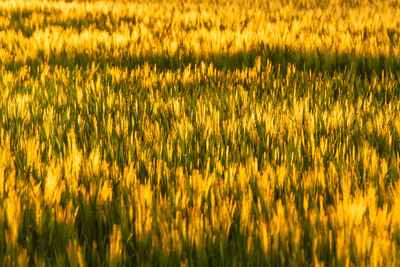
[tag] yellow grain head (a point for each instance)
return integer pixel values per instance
(74, 254)
(116, 247)
(53, 186)
(13, 215)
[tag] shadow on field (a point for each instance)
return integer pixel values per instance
(326, 62)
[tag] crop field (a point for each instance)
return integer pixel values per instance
(200, 133)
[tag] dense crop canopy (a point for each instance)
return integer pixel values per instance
(200, 133)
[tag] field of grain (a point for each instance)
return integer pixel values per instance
(200, 133)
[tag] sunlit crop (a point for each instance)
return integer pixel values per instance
(200, 133)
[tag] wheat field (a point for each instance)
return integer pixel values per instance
(200, 133)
